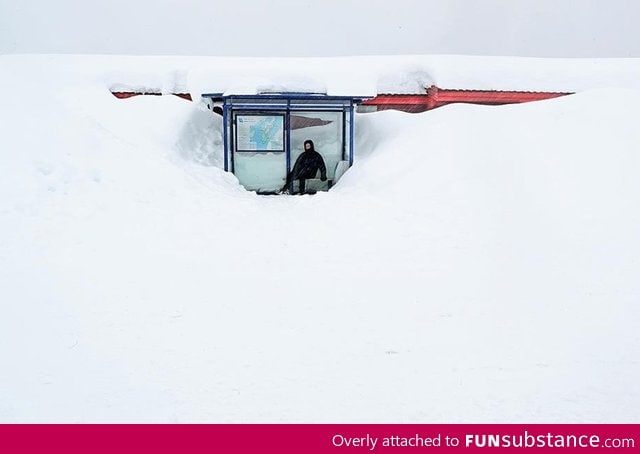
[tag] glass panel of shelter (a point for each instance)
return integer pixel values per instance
(326, 130)
(259, 151)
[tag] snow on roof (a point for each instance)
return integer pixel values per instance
(356, 76)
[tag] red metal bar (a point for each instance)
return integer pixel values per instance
(493, 97)
(437, 97)
(381, 100)
(129, 94)
(186, 96)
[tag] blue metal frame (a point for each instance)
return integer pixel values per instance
(225, 119)
(287, 146)
(286, 97)
(351, 131)
(281, 107)
(344, 133)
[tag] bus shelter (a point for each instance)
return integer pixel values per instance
(264, 135)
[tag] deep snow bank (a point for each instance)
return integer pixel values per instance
(477, 264)
(355, 76)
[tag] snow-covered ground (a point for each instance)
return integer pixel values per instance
(477, 264)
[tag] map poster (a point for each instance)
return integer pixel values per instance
(260, 133)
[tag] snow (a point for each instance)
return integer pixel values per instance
(477, 264)
(351, 76)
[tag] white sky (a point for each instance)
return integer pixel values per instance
(545, 28)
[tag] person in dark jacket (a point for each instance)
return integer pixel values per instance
(306, 167)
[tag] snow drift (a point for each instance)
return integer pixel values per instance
(477, 264)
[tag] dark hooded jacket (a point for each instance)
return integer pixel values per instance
(308, 164)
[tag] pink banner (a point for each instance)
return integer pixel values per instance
(310, 439)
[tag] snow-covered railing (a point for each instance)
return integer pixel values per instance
(438, 97)
(129, 94)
